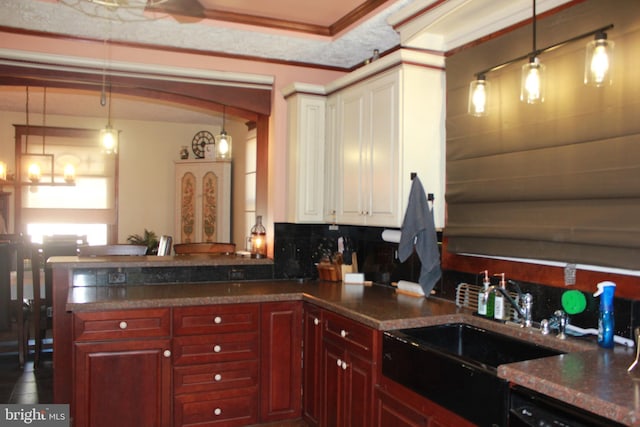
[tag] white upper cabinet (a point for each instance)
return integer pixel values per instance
(382, 123)
(306, 150)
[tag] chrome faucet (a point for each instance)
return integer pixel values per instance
(558, 321)
(524, 308)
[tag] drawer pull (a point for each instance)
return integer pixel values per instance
(343, 333)
(344, 366)
(217, 411)
(339, 362)
(217, 377)
(316, 321)
(123, 325)
(167, 353)
(217, 320)
(217, 349)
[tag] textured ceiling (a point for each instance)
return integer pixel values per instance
(350, 47)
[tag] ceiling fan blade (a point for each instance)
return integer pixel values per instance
(180, 8)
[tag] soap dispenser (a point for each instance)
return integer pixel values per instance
(499, 312)
(485, 302)
(605, 291)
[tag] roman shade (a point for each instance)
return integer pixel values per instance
(553, 181)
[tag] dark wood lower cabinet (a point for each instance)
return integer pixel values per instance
(398, 406)
(123, 383)
(311, 362)
(281, 361)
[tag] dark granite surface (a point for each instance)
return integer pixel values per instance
(588, 377)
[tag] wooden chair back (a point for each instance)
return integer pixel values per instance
(108, 250)
(204, 248)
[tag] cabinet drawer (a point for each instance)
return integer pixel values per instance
(215, 376)
(215, 348)
(354, 336)
(214, 319)
(231, 408)
(107, 325)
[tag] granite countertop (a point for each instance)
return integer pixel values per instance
(586, 376)
(193, 260)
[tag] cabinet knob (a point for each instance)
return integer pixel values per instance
(316, 321)
(339, 362)
(217, 411)
(123, 325)
(217, 377)
(343, 333)
(344, 366)
(217, 349)
(166, 353)
(217, 319)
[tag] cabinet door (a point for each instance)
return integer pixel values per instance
(394, 411)
(358, 391)
(306, 158)
(203, 201)
(281, 372)
(332, 384)
(352, 143)
(331, 159)
(312, 358)
(382, 174)
(122, 383)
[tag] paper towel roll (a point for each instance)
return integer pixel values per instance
(411, 287)
(391, 236)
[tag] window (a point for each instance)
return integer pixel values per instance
(86, 208)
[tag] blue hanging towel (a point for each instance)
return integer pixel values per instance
(419, 232)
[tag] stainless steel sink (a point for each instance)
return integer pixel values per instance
(455, 365)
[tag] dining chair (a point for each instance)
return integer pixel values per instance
(204, 248)
(109, 250)
(42, 309)
(14, 252)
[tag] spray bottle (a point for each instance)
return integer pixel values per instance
(605, 318)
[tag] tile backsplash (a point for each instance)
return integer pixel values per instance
(298, 247)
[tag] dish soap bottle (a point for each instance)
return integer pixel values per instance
(499, 311)
(485, 302)
(605, 318)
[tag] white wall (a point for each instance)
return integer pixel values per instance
(147, 152)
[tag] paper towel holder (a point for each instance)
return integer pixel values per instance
(430, 196)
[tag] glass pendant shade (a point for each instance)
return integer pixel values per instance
(598, 61)
(3, 171)
(69, 173)
(223, 147)
(258, 239)
(34, 173)
(532, 83)
(478, 92)
(109, 139)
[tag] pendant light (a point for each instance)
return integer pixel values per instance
(223, 147)
(598, 61)
(532, 84)
(478, 91)
(108, 135)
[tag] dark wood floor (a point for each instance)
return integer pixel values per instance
(25, 385)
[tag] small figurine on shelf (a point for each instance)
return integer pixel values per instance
(184, 153)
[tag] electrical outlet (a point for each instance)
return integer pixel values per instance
(569, 274)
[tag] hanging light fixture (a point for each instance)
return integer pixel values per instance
(223, 147)
(478, 91)
(532, 85)
(108, 135)
(598, 61)
(533, 82)
(34, 168)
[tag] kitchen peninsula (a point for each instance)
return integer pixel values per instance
(97, 319)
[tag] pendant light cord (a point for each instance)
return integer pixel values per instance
(44, 117)
(535, 50)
